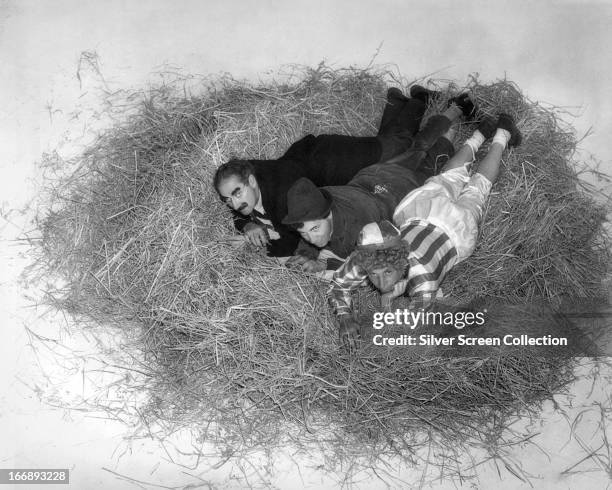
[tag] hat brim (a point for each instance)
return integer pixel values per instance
(388, 243)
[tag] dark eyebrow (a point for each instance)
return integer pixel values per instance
(235, 191)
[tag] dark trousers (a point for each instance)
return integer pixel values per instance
(430, 150)
(400, 123)
(391, 180)
(335, 159)
(388, 184)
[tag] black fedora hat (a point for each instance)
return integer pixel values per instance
(306, 202)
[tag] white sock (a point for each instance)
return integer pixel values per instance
(502, 136)
(474, 142)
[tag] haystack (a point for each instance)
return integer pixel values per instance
(244, 350)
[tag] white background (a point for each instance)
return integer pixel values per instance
(557, 52)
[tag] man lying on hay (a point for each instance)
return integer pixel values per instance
(332, 217)
(438, 228)
(256, 190)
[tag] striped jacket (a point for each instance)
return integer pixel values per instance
(432, 255)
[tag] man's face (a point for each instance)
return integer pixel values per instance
(238, 195)
(317, 232)
(384, 278)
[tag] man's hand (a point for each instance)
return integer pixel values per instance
(387, 298)
(255, 234)
(306, 264)
(296, 261)
(314, 266)
(348, 331)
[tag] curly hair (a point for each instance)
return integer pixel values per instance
(396, 257)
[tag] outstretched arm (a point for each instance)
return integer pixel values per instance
(348, 277)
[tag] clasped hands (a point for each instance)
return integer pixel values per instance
(251, 233)
(256, 234)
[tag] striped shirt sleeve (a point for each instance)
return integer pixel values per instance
(432, 256)
(348, 277)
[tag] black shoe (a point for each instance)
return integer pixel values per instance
(395, 93)
(505, 121)
(423, 94)
(466, 105)
(487, 127)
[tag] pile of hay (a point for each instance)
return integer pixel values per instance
(245, 350)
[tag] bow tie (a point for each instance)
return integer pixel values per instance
(257, 214)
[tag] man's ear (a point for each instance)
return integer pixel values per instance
(252, 181)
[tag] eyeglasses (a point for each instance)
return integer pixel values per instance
(237, 193)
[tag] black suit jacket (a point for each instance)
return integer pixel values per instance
(327, 160)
